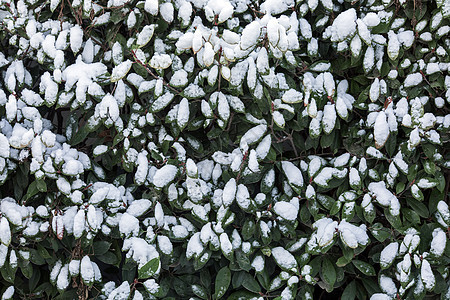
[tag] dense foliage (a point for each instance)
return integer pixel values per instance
(229, 149)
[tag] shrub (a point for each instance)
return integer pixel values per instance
(212, 149)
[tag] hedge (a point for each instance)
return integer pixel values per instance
(224, 149)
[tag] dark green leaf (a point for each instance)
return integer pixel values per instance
(222, 282)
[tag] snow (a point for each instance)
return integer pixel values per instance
(121, 293)
(344, 25)
(76, 38)
(286, 210)
(374, 92)
(165, 175)
(258, 263)
(229, 192)
(250, 35)
(145, 35)
(284, 258)
(427, 275)
(243, 196)
(179, 78)
(63, 185)
(329, 118)
(293, 174)
(252, 136)
(121, 70)
(352, 235)
(413, 80)
(5, 232)
(63, 278)
(438, 242)
(388, 286)
(100, 149)
(371, 19)
(86, 270)
(194, 246)
(164, 244)
(8, 293)
(383, 196)
(129, 225)
(381, 130)
(388, 254)
(225, 244)
(74, 267)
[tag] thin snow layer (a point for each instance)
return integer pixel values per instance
(229, 192)
(353, 235)
(387, 285)
(63, 278)
(438, 242)
(258, 263)
(388, 254)
(5, 232)
(165, 175)
(286, 210)
(9, 293)
(194, 246)
(87, 270)
(344, 26)
(413, 80)
(129, 225)
(383, 196)
(284, 258)
(252, 136)
(293, 174)
(380, 296)
(138, 207)
(122, 292)
(225, 244)
(427, 275)
(164, 244)
(250, 35)
(140, 251)
(381, 130)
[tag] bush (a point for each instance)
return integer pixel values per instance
(229, 149)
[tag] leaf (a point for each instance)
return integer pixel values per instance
(365, 268)
(241, 295)
(250, 283)
(80, 135)
(222, 282)
(149, 269)
(101, 247)
(199, 291)
(108, 258)
(349, 292)
(41, 185)
(328, 272)
(418, 207)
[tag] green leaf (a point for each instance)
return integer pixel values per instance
(328, 272)
(199, 291)
(363, 267)
(101, 247)
(149, 269)
(80, 135)
(418, 207)
(222, 282)
(239, 295)
(108, 258)
(250, 283)
(41, 185)
(349, 292)
(342, 261)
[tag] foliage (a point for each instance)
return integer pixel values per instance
(224, 149)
